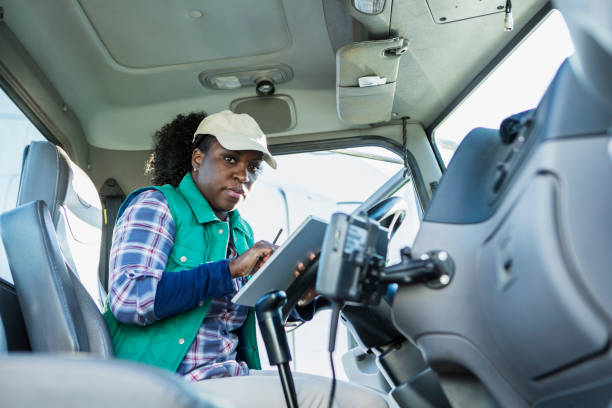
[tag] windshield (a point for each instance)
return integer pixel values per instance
(319, 184)
(515, 85)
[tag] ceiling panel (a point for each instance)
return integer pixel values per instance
(84, 47)
(153, 33)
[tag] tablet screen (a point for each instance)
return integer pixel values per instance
(278, 272)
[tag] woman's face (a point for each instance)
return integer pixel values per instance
(225, 177)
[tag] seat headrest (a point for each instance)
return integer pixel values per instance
(49, 175)
(589, 26)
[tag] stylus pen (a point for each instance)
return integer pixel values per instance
(273, 243)
(277, 236)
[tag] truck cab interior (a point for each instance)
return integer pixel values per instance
(487, 278)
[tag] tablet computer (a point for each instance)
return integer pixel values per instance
(277, 272)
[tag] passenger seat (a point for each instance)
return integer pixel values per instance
(52, 243)
(74, 205)
(58, 312)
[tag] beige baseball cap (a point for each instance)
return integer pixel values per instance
(236, 131)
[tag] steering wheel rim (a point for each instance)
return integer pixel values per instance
(390, 213)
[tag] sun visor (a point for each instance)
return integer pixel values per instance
(365, 79)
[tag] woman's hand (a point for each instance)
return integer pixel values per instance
(312, 293)
(251, 260)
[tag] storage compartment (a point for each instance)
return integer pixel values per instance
(363, 105)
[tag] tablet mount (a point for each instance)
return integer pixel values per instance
(349, 270)
(352, 265)
(352, 271)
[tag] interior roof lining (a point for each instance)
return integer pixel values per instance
(97, 20)
(106, 115)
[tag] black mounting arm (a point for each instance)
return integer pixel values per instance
(434, 268)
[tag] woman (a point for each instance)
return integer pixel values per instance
(181, 251)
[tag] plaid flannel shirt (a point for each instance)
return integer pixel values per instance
(142, 241)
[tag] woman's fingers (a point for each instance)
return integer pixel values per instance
(250, 261)
(299, 268)
(312, 293)
(308, 297)
(262, 251)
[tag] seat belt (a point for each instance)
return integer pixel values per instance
(111, 196)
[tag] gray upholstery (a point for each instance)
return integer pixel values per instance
(589, 25)
(98, 339)
(74, 205)
(34, 381)
(59, 314)
(3, 345)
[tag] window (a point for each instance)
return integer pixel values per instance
(517, 84)
(16, 132)
(320, 184)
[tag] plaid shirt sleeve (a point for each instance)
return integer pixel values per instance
(142, 241)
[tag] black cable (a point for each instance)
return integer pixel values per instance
(332, 345)
(405, 146)
(333, 387)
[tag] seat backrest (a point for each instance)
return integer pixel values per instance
(89, 382)
(59, 314)
(529, 228)
(3, 345)
(74, 205)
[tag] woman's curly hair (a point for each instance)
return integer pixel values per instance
(171, 157)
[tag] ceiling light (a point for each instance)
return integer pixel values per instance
(226, 82)
(244, 77)
(195, 14)
(369, 6)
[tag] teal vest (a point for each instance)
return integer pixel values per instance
(200, 237)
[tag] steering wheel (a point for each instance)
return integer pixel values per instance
(389, 213)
